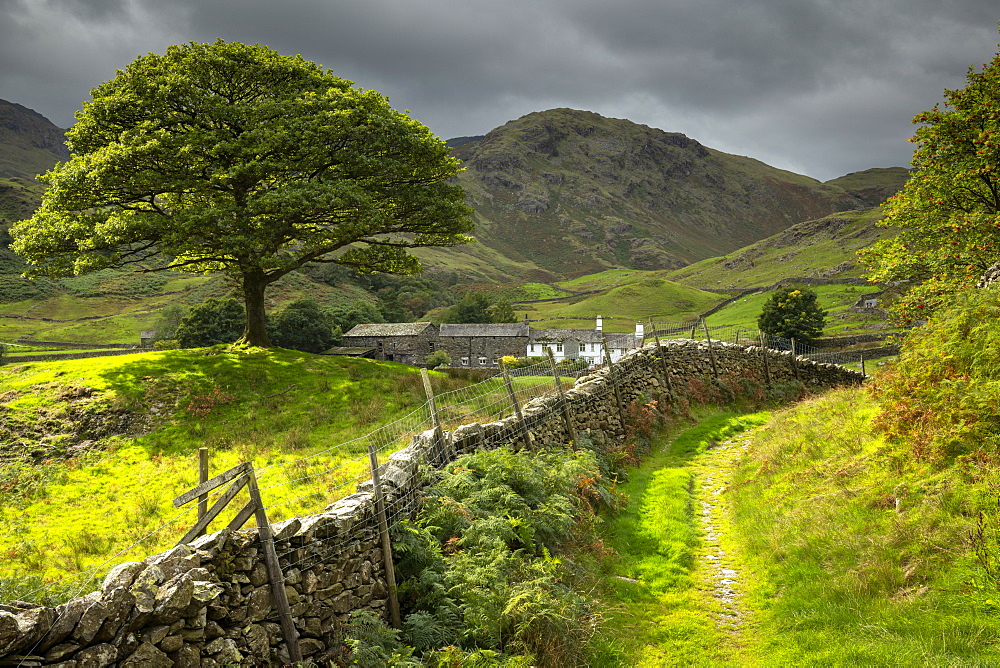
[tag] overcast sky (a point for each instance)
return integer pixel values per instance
(819, 87)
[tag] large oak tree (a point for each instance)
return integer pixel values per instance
(231, 157)
(948, 214)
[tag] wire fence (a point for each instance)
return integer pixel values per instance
(748, 336)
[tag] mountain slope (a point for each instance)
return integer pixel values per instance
(821, 248)
(29, 145)
(570, 192)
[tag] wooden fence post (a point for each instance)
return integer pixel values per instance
(567, 416)
(663, 363)
(274, 571)
(694, 328)
(383, 530)
(763, 354)
(614, 381)
(795, 366)
(242, 475)
(711, 352)
(863, 373)
(202, 477)
(439, 441)
(525, 436)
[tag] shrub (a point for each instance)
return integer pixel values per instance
(302, 325)
(211, 322)
(940, 396)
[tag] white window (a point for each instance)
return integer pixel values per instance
(482, 361)
(558, 347)
(465, 361)
(531, 347)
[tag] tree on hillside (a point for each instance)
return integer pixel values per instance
(792, 313)
(211, 322)
(948, 214)
(302, 325)
(231, 157)
(476, 307)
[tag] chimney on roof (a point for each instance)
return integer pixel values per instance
(600, 324)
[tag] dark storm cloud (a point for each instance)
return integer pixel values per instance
(822, 87)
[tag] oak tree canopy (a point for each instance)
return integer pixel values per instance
(231, 157)
(948, 214)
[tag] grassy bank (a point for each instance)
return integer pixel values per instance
(864, 554)
(96, 449)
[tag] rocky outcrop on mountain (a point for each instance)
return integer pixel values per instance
(572, 191)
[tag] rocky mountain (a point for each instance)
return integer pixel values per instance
(29, 145)
(565, 192)
(561, 193)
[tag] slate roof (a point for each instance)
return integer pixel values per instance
(348, 351)
(500, 329)
(389, 329)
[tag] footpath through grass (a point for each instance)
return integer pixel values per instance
(671, 603)
(808, 541)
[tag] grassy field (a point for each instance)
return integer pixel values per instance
(299, 414)
(836, 299)
(637, 296)
(862, 554)
(807, 249)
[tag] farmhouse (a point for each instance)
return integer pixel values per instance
(482, 345)
(584, 344)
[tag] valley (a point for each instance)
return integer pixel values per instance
(711, 519)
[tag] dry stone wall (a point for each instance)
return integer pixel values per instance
(209, 603)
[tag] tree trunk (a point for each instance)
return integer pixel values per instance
(255, 333)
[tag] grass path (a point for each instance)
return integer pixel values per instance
(677, 583)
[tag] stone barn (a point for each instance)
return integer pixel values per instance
(405, 342)
(483, 344)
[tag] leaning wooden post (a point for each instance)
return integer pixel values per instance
(567, 417)
(711, 351)
(383, 530)
(694, 328)
(663, 363)
(863, 374)
(439, 441)
(795, 366)
(736, 337)
(763, 354)
(613, 381)
(525, 436)
(202, 478)
(274, 570)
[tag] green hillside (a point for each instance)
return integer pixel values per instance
(632, 296)
(821, 248)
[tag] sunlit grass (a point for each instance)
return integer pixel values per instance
(658, 615)
(862, 552)
(298, 418)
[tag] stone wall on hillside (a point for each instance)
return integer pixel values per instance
(209, 603)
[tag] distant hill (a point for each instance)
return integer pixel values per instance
(562, 192)
(873, 186)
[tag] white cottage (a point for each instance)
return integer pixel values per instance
(582, 343)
